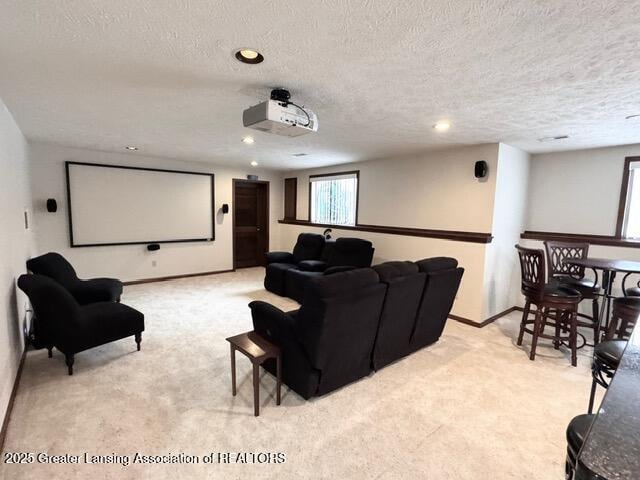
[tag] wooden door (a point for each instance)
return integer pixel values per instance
(250, 222)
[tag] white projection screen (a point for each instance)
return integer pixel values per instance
(117, 205)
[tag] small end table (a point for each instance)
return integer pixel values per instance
(257, 349)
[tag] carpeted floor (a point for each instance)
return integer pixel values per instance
(470, 407)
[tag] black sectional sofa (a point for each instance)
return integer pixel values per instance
(288, 274)
(357, 321)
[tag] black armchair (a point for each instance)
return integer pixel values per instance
(308, 247)
(55, 266)
(73, 328)
(328, 342)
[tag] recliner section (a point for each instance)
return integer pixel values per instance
(352, 322)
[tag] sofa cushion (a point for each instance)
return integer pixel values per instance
(351, 251)
(436, 263)
(308, 247)
(389, 270)
(274, 280)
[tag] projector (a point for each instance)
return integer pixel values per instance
(281, 116)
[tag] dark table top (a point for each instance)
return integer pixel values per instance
(612, 447)
(626, 266)
(254, 346)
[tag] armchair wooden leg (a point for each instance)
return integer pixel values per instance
(69, 361)
(50, 350)
(138, 339)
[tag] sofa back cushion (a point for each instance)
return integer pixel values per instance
(355, 252)
(308, 247)
(441, 286)
(337, 324)
(55, 266)
(405, 284)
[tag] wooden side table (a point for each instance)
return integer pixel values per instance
(257, 349)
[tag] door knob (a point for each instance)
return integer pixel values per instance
(257, 229)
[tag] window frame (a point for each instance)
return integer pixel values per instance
(624, 198)
(336, 174)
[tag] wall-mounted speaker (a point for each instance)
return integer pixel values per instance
(52, 205)
(225, 208)
(252, 177)
(153, 247)
(481, 169)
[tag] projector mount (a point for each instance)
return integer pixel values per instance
(283, 96)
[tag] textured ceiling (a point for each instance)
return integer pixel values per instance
(160, 74)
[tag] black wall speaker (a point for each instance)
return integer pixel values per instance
(481, 168)
(52, 205)
(153, 247)
(252, 177)
(225, 208)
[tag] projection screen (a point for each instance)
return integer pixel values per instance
(118, 205)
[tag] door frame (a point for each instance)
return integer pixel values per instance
(235, 181)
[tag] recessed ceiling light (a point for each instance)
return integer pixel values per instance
(131, 147)
(254, 163)
(248, 140)
(551, 139)
(442, 126)
(629, 117)
(250, 56)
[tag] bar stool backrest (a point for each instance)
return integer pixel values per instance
(532, 270)
(557, 252)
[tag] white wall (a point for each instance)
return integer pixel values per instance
(435, 190)
(15, 249)
(577, 191)
(502, 268)
(134, 262)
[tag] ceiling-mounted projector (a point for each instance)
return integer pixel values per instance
(281, 116)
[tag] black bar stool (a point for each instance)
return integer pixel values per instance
(607, 354)
(576, 433)
(556, 305)
(572, 276)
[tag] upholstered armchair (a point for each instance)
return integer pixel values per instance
(73, 328)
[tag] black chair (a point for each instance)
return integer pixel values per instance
(328, 342)
(308, 247)
(73, 328)
(343, 253)
(556, 305)
(576, 433)
(607, 354)
(405, 286)
(56, 267)
(572, 276)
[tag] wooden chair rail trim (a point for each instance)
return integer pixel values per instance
(607, 240)
(471, 237)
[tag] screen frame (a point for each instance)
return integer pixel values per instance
(67, 164)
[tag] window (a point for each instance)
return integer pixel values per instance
(333, 198)
(629, 214)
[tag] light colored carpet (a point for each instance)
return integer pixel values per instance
(470, 407)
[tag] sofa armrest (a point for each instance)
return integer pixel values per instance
(279, 257)
(271, 322)
(312, 265)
